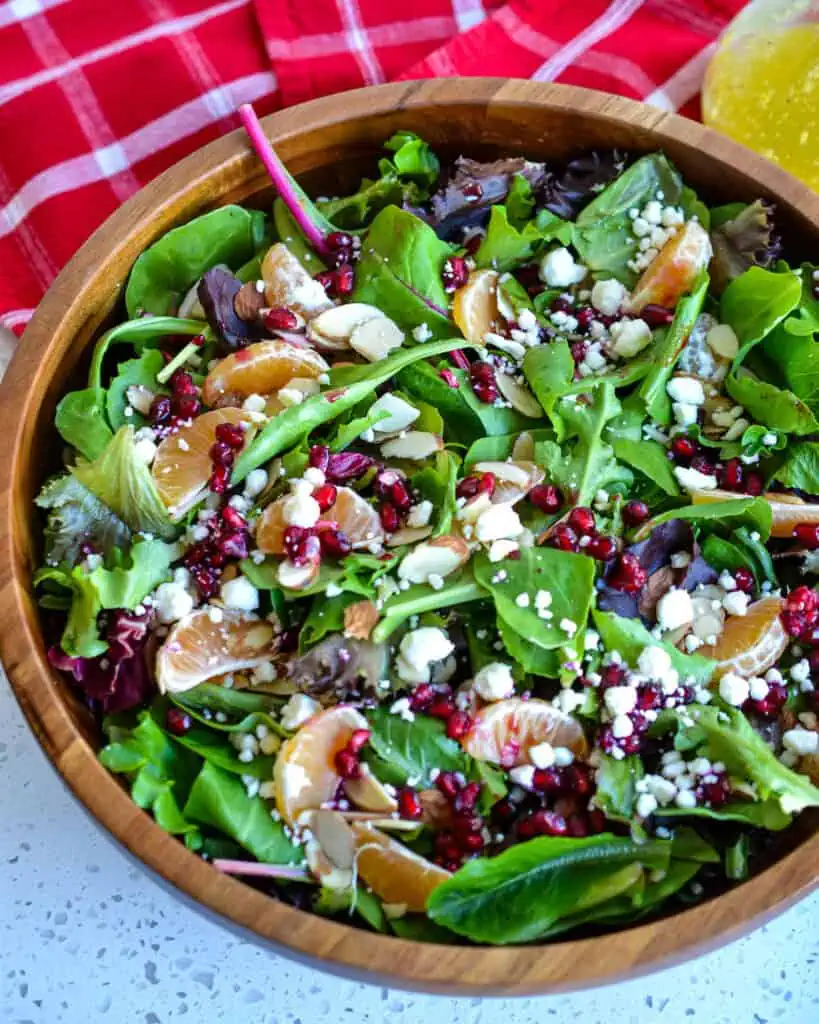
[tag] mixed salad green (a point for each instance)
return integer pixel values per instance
(443, 555)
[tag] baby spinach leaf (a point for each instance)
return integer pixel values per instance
(75, 517)
(520, 894)
(666, 353)
(219, 800)
(770, 405)
(722, 554)
(721, 516)
(603, 234)
(505, 246)
(649, 458)
(297, 422)
(755, 302)
(568, 577)
(218, 751)
(400, 272)
(167, 269)
(617, 786)
(137, 372)
(765, 814)
(160, 772)
(122, 481)
(531, 658)
(80, 420)
(139, 333)
(800, 469)
(630, 637)
(729, 737)
(411, 750)
(289, 232)
(324, 617)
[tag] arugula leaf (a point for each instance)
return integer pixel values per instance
(755, 302)
(520, 894)
(400, 751)
(720, 515)
(506, 246)
(584, 466)
(567, 576)
(167, 269)
(76, 517)
(219, 800)
(400, 272)
(617, 786)
(144, 567)
(81, 423)
(297, 422)
(800, 469)
(630, 637)
(668, 351)
(603, 234)
(770, 405)
(160, 772)
(122, 481)
(500, 447)
(142, 372)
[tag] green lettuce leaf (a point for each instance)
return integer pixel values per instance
(76, 517)
(755, 302)
(772, 406)
(137, 372)
(800, 469)
(506, 246)
(80, 421)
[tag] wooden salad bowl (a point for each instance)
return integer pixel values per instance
(329, 143)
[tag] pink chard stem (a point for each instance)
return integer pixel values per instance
(291, 194)
(284, 872)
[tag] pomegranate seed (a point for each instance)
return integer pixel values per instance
(462, 824)
(234, 545)
(400, 496)
(205, 580)
(754, 484)
(295, 544)
(472, 190)
(221, 454)
(484, 384)
(447, 847)
(327, 280)
(547, 780)
(486, 393)
(325, 496)
(577, 827)
(649, 697)
(560, 304)
(801, 611)
(182, 384)
(160, 410)
(441, 707)
(503, 811)
(344, 280)
(744, 579)
(388, 514)
(334, 543)
(656, 316)
(703, 464)
(472, 842)
(548, 823)
(473, 243)
(546, 497)
(280, 319)
(683, 448)
(458, 725)
(455, 273)
(177, 721)
(733, 475)
(578, 779)
(612, 675)
(468, 796)
(409, 804)
(715, 794)
(232, 518)
(584, 317)
(602, 548)
(628, 575)
(337, 240)
(563, 538)
(597, 820)
(487, 484)
(319, 457)
(186, 406)
(635, 512)
(808, 535)
(345, 466)
(468, 487)
(449, 378)
(219, 479)
(421, 697)
(447, 783)
(347, 764)
(358, 740)
(579, 350)
(231, 434)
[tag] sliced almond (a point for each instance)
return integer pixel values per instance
(508, 492)
(330, 852)
(401, 414)
(523, 449)
(376, 820)
(506, 472)
(360, 619)
(415, 445)
(375, 339)
(368, 794)
(297, 577)
(296, 390)
(408, 535)
(474, 508)
(520, 397)
(336, 324)
(288, 284)
(439, 557)
(140, 398)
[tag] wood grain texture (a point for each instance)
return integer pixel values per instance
(329, 143)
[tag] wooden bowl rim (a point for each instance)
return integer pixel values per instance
(337, 947)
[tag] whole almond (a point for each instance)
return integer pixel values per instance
(249, 302)
(439, 557)
(359, 619)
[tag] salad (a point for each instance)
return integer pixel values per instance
(443, 557)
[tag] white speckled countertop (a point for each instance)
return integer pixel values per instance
(87, 938)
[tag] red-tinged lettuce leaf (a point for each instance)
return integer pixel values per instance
(750, 238)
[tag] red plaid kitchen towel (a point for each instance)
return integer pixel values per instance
(96, 98)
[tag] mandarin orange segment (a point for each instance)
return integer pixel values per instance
(290, 285)
(199, 648)
(504, 732)
(674, 270)
(182, 466)
(788, 510)
(749, 644)
(393, 872)
(261, 369)
(305, 774)
(355, 516)
(475, 306)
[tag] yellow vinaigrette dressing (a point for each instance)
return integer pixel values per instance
(762, 87)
